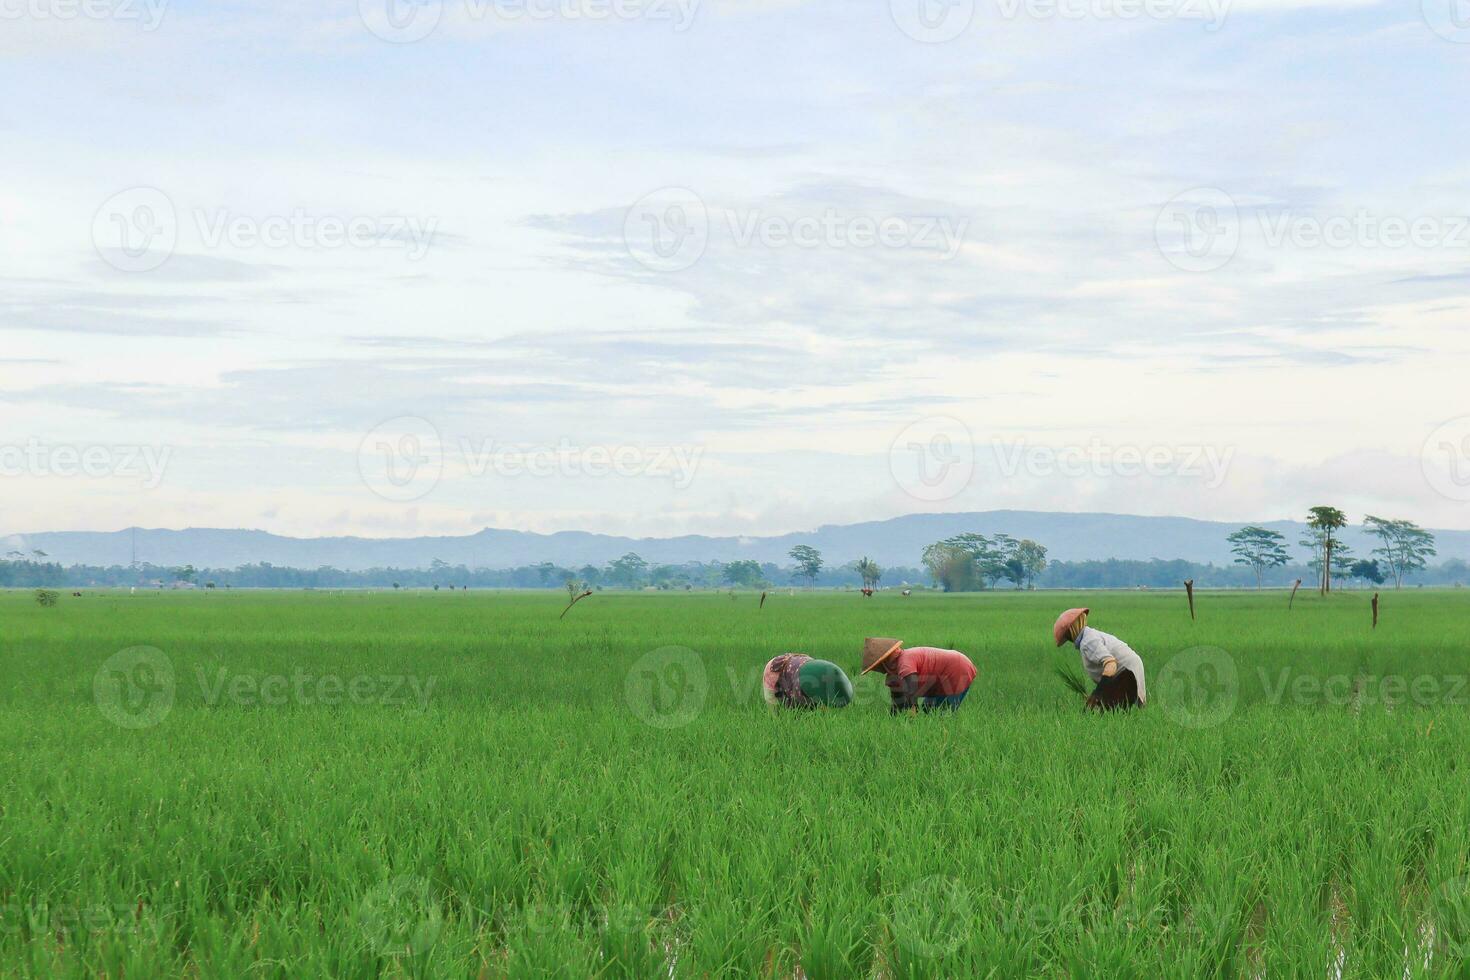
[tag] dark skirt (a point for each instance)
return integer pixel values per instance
(1119, 692)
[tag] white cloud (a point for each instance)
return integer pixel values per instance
(790, 355)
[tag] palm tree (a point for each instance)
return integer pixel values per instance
(1324, 521)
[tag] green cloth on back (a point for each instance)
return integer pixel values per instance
(825, 683)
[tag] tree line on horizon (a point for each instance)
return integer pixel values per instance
(961, 563)
(1404, 549)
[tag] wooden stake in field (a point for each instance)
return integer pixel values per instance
(1298, 585)
(1189, 591)
(1375, 610)
(763, 601)
(575, 600)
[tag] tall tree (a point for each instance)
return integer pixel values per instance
(950, 566)
(1368, 571)
(1327, 521)
(871, 574)
(627, 571)
(743, 574)
(1260, 548)
(1006, 562)
(1406, 546)
(1032, 557)
(987, 561)
(808, 562)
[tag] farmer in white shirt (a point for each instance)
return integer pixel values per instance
(1113, 666)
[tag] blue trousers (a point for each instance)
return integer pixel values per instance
(945, 702)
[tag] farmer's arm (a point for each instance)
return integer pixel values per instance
(906, 696)
(1095, 654)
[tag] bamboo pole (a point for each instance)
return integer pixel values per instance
(573, 603)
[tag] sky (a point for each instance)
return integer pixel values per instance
(657, 267)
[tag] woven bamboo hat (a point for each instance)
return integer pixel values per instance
(1064, 624)
(877, 649)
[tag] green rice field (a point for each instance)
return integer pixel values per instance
(275, 784)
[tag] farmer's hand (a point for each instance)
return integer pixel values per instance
(1110, 667)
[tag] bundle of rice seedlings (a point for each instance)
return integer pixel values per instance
(1071, 676)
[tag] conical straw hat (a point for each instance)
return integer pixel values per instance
(1064, 624)
(877, 649)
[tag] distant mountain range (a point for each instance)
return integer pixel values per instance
(899, 541)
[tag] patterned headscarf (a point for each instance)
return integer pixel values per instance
(783, 680)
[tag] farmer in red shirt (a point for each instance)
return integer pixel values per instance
(926, 677)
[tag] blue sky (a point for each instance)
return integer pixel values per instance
(789, 262)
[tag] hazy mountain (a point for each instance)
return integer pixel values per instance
(893, 542)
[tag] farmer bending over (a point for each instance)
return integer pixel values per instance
(926, 677)
(794, 680)
(1111, 663)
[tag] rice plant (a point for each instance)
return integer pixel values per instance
(419, 784)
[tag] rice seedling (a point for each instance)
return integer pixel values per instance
(408, 784)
